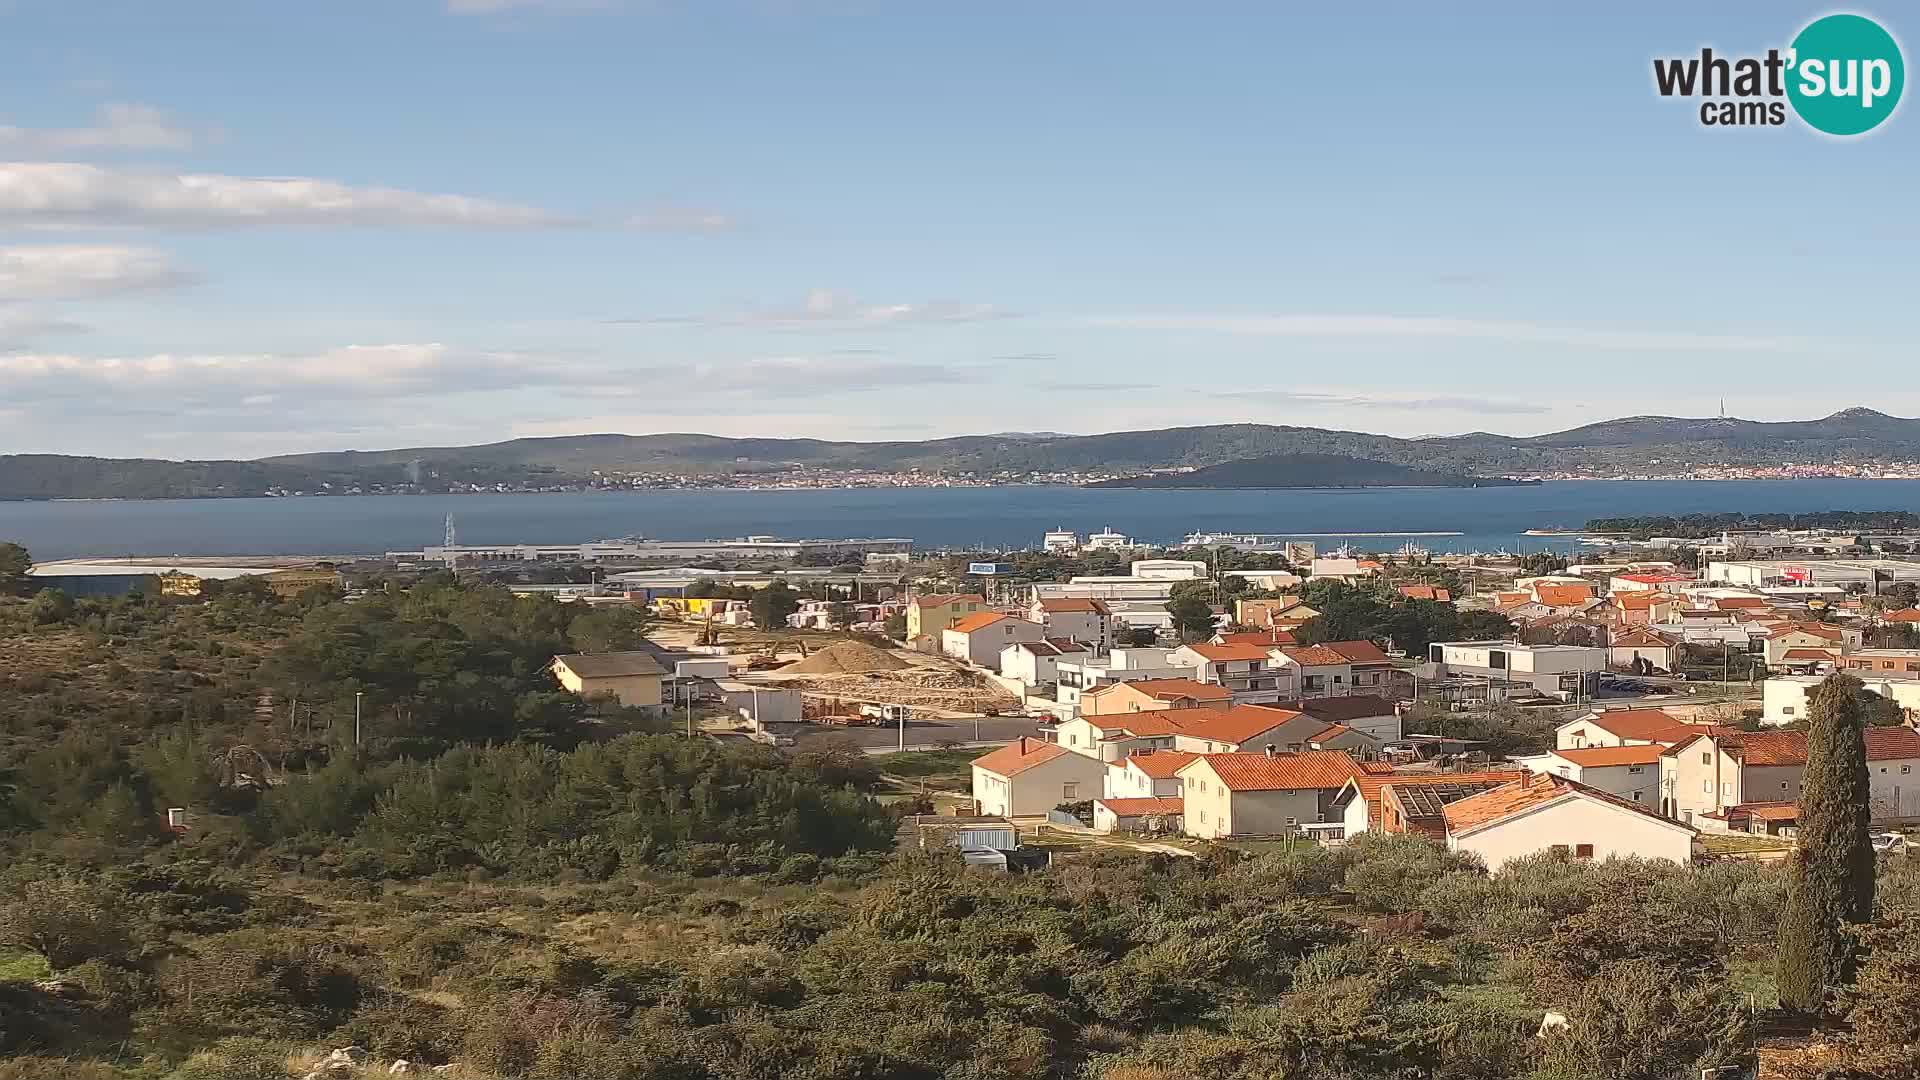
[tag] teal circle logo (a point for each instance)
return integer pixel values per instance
(1845, 74)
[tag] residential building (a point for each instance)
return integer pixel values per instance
(1706, 775)
(1808, 635)
(1146, 774)
(1283, 612)
(1426, 592)
(1629, 772)
(632, 678)
(1121, 665)
(1262, 794)
(1560, 596)
(1568, 672)
(1320, 671)
(1783, 698)
(1028, 777)
(1249, 671)
(1902, 617)
(1553, 813)
(1150, 695)
(1060, 541)
(1083, 619)
(979, 639)
(1255, 728)
(1644, 608)
(1366, 713)
(1143, 815)
(1882, 663)
(930, 615)
(1623, 727)
(1108, 540)
(1369, 669)
(1036, 663)
(1643, 649)
(1270, 637)
(1113, 738)
(1650, 582)
(1413, 805)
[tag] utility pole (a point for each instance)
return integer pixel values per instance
(357, 695)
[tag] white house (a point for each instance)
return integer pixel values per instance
(1641, 645)
(1262, 794)
(1629, 772)
(1083, 619)
(1717, 771)
(1146, 774)
(1622, 727)
(1784, 697)
(1564, 671)
(1121, 665)
(1108, 540)
(1036, 663)
(1408, 802)
(979, 639)
(1144, 815)
(1028, 777)
(1060, 541)
(1254, 673)
(1366, 713)
(1553, 813)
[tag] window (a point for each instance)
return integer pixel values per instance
(1788, 711)
(1783, 785)
(1706, 759)
(1073, 740)
(1726, 789)
(1634, 769)
(1560, 849)
(1070, 792)
(1583, 851)
(1905, 769)
(1706, 787)
(1637, 794)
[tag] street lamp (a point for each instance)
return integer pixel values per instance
(357, 695)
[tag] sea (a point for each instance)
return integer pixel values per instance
(1378, 519)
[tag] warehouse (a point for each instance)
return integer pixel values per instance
(1763, 573)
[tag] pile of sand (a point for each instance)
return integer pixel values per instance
(848, 657)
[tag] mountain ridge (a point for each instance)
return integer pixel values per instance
(1625, 444)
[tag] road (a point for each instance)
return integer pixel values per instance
(929, 734)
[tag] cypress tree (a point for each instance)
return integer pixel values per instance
(1830, 875)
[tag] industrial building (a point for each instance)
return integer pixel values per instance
(1765, 573)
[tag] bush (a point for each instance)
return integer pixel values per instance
(237, 1058)
(65, 920)
(1391, 873)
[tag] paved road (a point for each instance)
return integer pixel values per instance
(929, 734)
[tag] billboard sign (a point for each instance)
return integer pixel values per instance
(989, 569)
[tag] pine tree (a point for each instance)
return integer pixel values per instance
(1830, 875)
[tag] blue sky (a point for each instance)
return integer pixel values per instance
(236, 229)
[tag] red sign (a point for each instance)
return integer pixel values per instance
(1797, 573)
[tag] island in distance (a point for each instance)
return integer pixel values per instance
(1306, 471)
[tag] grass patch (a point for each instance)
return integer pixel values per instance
(931, 765)
(23, 967)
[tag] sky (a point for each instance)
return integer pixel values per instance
(235, 229)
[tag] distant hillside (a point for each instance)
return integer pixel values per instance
(1632, 444)
(1305, 471)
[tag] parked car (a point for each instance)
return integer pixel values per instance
(1890, 843)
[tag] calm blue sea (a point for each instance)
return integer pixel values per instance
(1488, 519)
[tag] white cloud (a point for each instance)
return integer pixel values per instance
(68, 271)
(65, 193)
(1415, 326)
(830, 309)
(19, 329)
(115, 127)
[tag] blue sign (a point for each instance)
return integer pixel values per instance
(989, 568)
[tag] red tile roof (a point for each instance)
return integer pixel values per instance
(1221, 653)
(1498, 804)
(1819, 630)
(1018, 756)
(1811, 654)
(1240, 723)
(1164, 804)
(1630, 601)
(1656, 579)
(1790, 747)
(1358, 652)
(1315, 769)
(1426, 592)
(1152, 722)
(1728, 603)
(978, 621)
(1653, 724)
(1601, 756)
(1641, 639)
(1315, 656)
(1172, 689)
(1160, 765)
(1904, 615)
(1768, 811)
(1563, 595)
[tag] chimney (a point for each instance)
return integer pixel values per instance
(1270, 751)
(1526, 778)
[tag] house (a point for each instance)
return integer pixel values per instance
(1146, 773)
(1563, 596)
(1321, 670)
(1764, 818)
(1284, 612)
(1147, 695)
(1262, 794)
(1705, 776)
(1553, 813)
(1121, 665)
(1904, 616)
(1249, 671)
(1622, 727)
(1373, 715)
(1368, 667)
(1413, 806)
(1809, 661)
(929, 615)
(1076, 618)
(633, 678)
(1036, 663)
(1028, 777)
(1568, 672)
(1883, 663)
(1644, 608)
(1426, 592)
(1251, 728)
(1652, 582)
(1270, 637)
(1060, 541)
(1628, 772)
(971, 832)
(1783, 698)
(1807, 635)
(1113, 738)
(979, 639)
(1108, 540)
(1643, 650)
(1143, 815)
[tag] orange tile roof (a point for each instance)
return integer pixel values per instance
(1160, 765)
(1358, 652)
(1769, 811)
(1018, 756)
(1314, 656)
(1819, 630)
(1904, 615)
(1165, 804)
(1804, 653)
(1240, 723)
(1652, 724)
(1222, 653)
(1630, 601)
(1426, 592)
(1370, 785)
(1601, 756)
(978, 621)
(1257, 637)
(944, 599)
(1790, 747)
(1315, 769)
(1498, 804)
(1174, 689)
(1151, 723)
(1064, 605)
(1563, 595)
(1506, 599)
(1641, 639)
(1657, 579)
(1726, 603)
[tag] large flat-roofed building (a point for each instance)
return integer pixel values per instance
(745, 547)
(1771, 573)
(1568, 672)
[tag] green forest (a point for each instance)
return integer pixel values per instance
(504, 882)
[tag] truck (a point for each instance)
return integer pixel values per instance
(886, 714)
